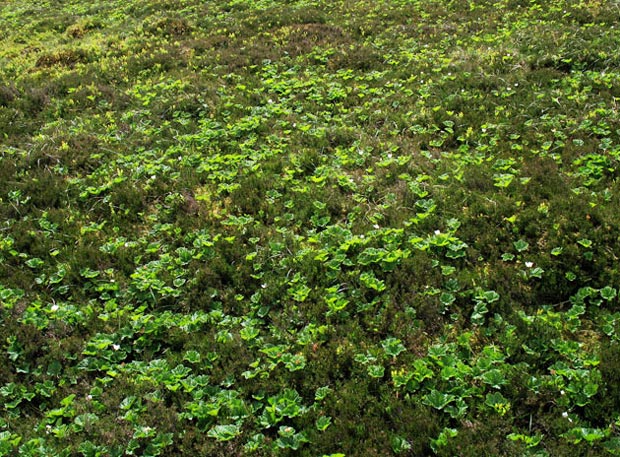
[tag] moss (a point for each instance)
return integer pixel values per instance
(484, 437)
(607, 402)
(66, 58)
(167, 26)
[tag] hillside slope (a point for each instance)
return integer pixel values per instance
(352, 227)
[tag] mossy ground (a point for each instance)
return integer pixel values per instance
(309, 227)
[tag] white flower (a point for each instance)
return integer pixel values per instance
(529, 264)
(116, 347)
(54, 308)
(437, 232)
(564, 414)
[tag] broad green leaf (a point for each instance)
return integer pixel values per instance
(224, 432)
(376, 371)
(323, 422)
(392, 346)
(608, 293)
(521, 245)
(438, 400)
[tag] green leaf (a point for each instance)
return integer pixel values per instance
(322, 392)
(491, 296)
(323, 422)
(422, 371)
(494, 377)
(376, 371)
(35, 262)
(477, 316)
(457, 409)
(294, 362)
(289, 439)
(127, 402)
(586, 243)
(557, 251)
(400, 444)
(446, 299)
(438, 400)
(68, 400)
(456, 250)
(503, 180)
(371, 255)
(521, 245)
(368, 279)
(192, 356)
(590, 435)
(392, 346)
(8, 441)
(224, 432)
(442, 439)
(530, 441)
(497, 401)
(447, 270)
(15, 348)
(299, 292)
(84, 420)
(249, 333)
(255, 443)
(536, 272)
(185, 255)
(160, 441)
(608, 293)
(590, 389)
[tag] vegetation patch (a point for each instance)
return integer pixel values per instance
(309, 228)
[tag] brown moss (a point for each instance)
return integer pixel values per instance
(7, 95)
(81, 28)
(64, 58)
(300, 39)
(168, 26)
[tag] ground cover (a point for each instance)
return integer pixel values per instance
(353, 227)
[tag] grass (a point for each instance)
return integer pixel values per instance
(309, 228)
